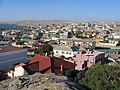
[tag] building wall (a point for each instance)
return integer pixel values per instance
(8, 59)
(67, 54)
(5, 43)
(81, 59)
(19, 71)
(116, 36)
(85, 44)
(107, 44)
(68, 72)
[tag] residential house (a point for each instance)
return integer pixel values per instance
(103, 34)
(75, 41)
(118, 60)
(85, 59)
(63, 34)
(18, 70)
(5, 43)
(110, 43)
(65, 51)
(90, 33)
(115, 35)
(51, 65)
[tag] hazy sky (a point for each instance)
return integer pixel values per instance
(80, 10)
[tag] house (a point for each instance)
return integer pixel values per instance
(76, 41)
(5, 43)
(103, 34)
(110, 43)
(109, 51)
(63, 34)
(85, 59)
(118, 60)
(17, 71)
(55, 65)
(43, 65)
(10, 55)
(65, 51)
(89, 33)
(115, 35)
(21, 69)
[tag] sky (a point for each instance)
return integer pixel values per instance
(77, 10)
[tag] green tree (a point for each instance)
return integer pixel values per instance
(46, 48)
(20, 42)
(102, 77)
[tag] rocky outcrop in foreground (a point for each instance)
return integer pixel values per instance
(39, 81)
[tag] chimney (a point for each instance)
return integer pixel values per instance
(46, 54)
(61, 68)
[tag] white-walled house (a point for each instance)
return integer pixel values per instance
(115, 35)
(10, 55)
(111, 43)
(65, 51)
(18, 71)
(5, 43)
(85, 42)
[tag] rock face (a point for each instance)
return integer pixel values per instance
(39, 81)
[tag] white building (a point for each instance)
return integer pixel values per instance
(115, 35)
(111, 43)
(77, 41)
(5, 43)
(10, 55)
(65, 51)
(18, 71)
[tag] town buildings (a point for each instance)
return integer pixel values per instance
(44, 65)
(98, 40)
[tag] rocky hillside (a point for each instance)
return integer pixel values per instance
(39, 81)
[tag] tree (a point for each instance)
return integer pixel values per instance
(20, 42)
(102, 77)
(46, 48)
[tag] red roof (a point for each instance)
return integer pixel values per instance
(44, 62)
(66, 64)
(9, 48)
(21, 64)
(51, 64)
(32, 68)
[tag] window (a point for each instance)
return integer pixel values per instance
(57, 52)
(66, 52)
(70, 53)
(63, 52)
(91, 61)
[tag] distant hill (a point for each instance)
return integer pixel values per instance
(10, 26)
(43, 22)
